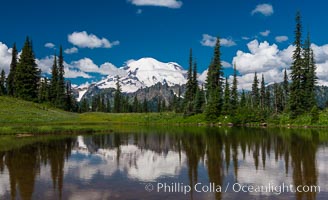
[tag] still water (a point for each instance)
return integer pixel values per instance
(169, 163)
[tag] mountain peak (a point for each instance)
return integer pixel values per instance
(145, 72)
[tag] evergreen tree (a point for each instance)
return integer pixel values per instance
(243, 99)
(312, 80)
(3, 82)
(194, 80)
(226, 98)
(108, 106)
(214, 85)
(118, 97)
(11, 75)
(27, 75)
(61, 93)
(285, 90)
(199, 100)
(296, 90)
(190, 86)
(262, 93)
(135, 104)
(44, 90)
(145, 106)
(54, 81)
(234, 91)
(255, 92)
(268, 98)
(278, 101)
(84, 105)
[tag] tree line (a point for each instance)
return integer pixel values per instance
(24, 80)
(294, 96)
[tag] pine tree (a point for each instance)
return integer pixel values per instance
(234, 91)
(312, 80)
(135, 104)
(262, 93)
(11, 75)
(44, 90)
(27, 74)
(214, 85)
(296, 90)
(3, 82)
(84, 105)
(285, 90)
(268, 98)
(189, 95)
(108, 106)
(226, 98)
(118, 97)
(199, 100)
(54, 82)
(278, 101)
(145, 106)
(61, 86)
(194, 80)
(255, 92)
(243, 99)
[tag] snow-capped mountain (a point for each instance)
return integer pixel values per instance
(145, 72)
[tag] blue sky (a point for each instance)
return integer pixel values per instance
(115, 31)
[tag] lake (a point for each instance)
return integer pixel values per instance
(169, 163)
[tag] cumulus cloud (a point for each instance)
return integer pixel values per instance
(265, 33)
(268, 60)
(245, 38)
(46, 63)
(85, 40)
(71, 50)
(264, 9)
(262, 58)
(161, 3)
(49, 45)
(5, 57)
(281, 38)
(210, 41)
(87, 65)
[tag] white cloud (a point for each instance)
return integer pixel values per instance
(225, 64)
(262, 58)
(162, 3)
(281, 38)
(227, 42)
(49, 45)
(45, 64)
(210, 41)
(5, 57)
(71, 50)
(87, 65)
(245, 38)
(264, 9)
(267, 59)
(265, 33)
(85, 40)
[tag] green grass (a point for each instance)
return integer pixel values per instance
(18, 116)
(13, 110)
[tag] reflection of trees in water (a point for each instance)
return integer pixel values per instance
(24, 164)
(217, 148)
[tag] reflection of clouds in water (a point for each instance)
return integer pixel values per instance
(4, 182)
(273, 174)
(322, 166)
(143, 165)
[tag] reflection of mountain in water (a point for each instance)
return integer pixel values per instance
(136, 162)
(247, 156)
